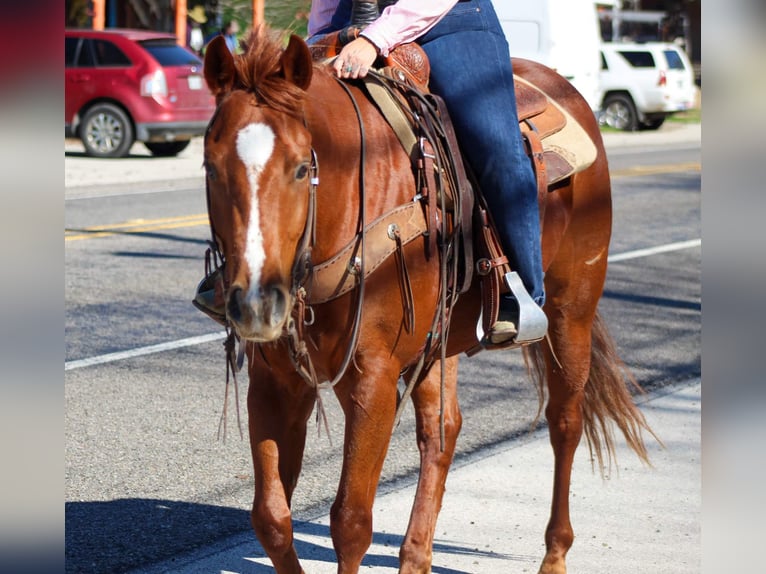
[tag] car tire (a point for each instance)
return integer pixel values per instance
(620, 112)
(106, 131)
(167, 149)
(653, 123)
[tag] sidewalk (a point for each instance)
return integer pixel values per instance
(185, 170)
(86, 175)
(670, 133)
(495, 510)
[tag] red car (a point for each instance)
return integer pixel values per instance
(126, 85)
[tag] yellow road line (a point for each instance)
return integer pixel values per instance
(147, 225)
(136, 226)
(640, 170)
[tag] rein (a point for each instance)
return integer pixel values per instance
(299, 352)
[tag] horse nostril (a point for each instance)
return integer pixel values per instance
(234, 304)
(279, 305)
(274, 306)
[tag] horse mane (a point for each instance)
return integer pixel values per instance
(259, 71)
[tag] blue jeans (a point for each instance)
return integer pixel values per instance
(471, 71)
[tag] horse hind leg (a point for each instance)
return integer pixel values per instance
(563, 412)
(416, 553)
(588, 389)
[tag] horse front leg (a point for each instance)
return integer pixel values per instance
(369, 404)
(416, 553)
(278, 409)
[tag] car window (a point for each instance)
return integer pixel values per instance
(638, 58)
(604, 65)
(674, 60)
(109, 55)
(70, 51)
(83, 58)
(168, 53)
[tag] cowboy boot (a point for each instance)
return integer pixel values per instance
(210, 298)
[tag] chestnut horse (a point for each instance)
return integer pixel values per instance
(283, 122)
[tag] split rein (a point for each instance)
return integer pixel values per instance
(299, 354)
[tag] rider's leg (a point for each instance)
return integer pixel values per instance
(471, 70)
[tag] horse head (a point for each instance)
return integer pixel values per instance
(258, 164)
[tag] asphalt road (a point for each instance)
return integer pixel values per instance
(146, 478)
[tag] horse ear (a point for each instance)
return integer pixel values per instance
(220, 72)
(297, 64)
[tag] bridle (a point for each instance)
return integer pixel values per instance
(301, 314)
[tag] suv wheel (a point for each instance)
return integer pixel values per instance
(167, 149)
(106, 131)
(620, 112)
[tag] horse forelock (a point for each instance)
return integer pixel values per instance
(259, 71)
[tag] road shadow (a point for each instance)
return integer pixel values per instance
(124, 535)
(119, 535)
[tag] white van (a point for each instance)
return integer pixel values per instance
(562, 34)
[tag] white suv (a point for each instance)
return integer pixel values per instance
(642, 84)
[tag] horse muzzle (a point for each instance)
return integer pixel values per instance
(258, 314)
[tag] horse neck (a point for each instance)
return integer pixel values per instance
(335, 128)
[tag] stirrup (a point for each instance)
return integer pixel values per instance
(533, 323)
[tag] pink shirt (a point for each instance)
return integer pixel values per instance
(402, 22)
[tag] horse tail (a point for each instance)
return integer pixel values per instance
(607, 398)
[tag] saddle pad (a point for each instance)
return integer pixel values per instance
(567, 147)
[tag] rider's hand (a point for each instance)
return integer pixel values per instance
(355, 58)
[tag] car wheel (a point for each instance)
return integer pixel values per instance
(167, 149)
(106, 131)
(653, 123)
(620, 113)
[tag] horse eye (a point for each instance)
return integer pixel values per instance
(302, 171)
(210, 172)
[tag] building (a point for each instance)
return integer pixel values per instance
(161, 15)
(666, 20)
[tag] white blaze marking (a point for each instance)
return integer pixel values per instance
(255, 143)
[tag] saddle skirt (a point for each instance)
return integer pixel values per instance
(567, 147)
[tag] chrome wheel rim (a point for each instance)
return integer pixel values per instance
(104, 133)
(617, 115)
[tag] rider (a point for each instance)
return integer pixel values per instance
(471, 71)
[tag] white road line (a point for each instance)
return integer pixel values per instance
(655, 250)
(191, 341)
(151, 349)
